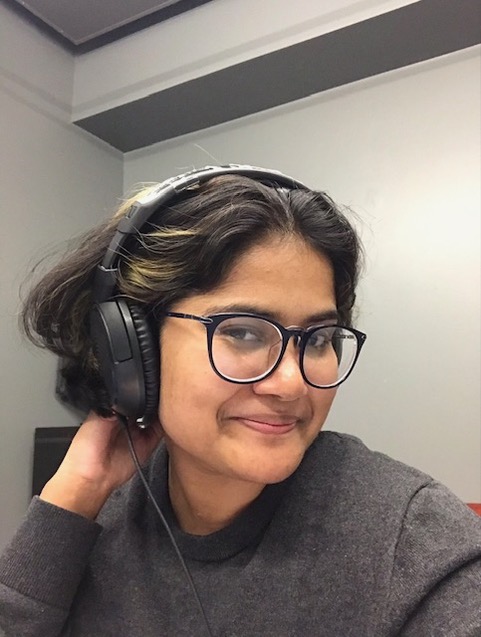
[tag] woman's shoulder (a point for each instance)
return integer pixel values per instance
(355, 466)
(343, 476)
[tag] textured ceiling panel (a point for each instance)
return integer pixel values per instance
(87, 24)
(87, 19)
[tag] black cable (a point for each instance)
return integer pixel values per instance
(135, 459)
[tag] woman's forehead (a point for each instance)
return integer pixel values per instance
(278, 261)
(275, 278)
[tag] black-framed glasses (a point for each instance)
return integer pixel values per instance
(246, 348)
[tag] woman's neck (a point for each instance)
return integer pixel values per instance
(204, 502)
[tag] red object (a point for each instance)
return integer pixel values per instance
(476, 507)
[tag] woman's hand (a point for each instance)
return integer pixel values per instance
(97, 462)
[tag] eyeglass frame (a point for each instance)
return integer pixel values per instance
(300, 335)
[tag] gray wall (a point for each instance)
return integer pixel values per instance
(403, 150)
(55, 181)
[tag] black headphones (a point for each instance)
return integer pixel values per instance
(124, 344)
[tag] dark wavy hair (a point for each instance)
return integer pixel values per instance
(185, 249)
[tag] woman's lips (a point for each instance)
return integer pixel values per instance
(269, 425)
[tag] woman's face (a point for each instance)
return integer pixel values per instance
(212, 425)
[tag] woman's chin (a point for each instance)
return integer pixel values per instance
(272, 471)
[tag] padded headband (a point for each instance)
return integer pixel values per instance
(166, 193)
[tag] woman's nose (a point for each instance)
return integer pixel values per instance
(286, 382)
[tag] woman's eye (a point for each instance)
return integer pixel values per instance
(241, 334)
(320, 340)
(317, 341)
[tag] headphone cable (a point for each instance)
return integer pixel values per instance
(140, 473)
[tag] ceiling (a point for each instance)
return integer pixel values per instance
(414, 33)
(84, 25)
(408, 35)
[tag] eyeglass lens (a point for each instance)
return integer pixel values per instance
(248, 348)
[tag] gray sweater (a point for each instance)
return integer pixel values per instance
(352, 544)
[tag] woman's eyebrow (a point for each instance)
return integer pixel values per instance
(326, 315)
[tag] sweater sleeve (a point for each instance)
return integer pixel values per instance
(41, 570)
(436, 578)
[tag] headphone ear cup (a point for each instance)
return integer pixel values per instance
(128, 358)
(149, 353)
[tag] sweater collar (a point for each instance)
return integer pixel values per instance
(246, 530)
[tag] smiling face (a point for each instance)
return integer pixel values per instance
(258, 432)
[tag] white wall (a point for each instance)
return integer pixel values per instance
(403, 150)
(55, 181)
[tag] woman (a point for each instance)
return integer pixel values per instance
(246, 280)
